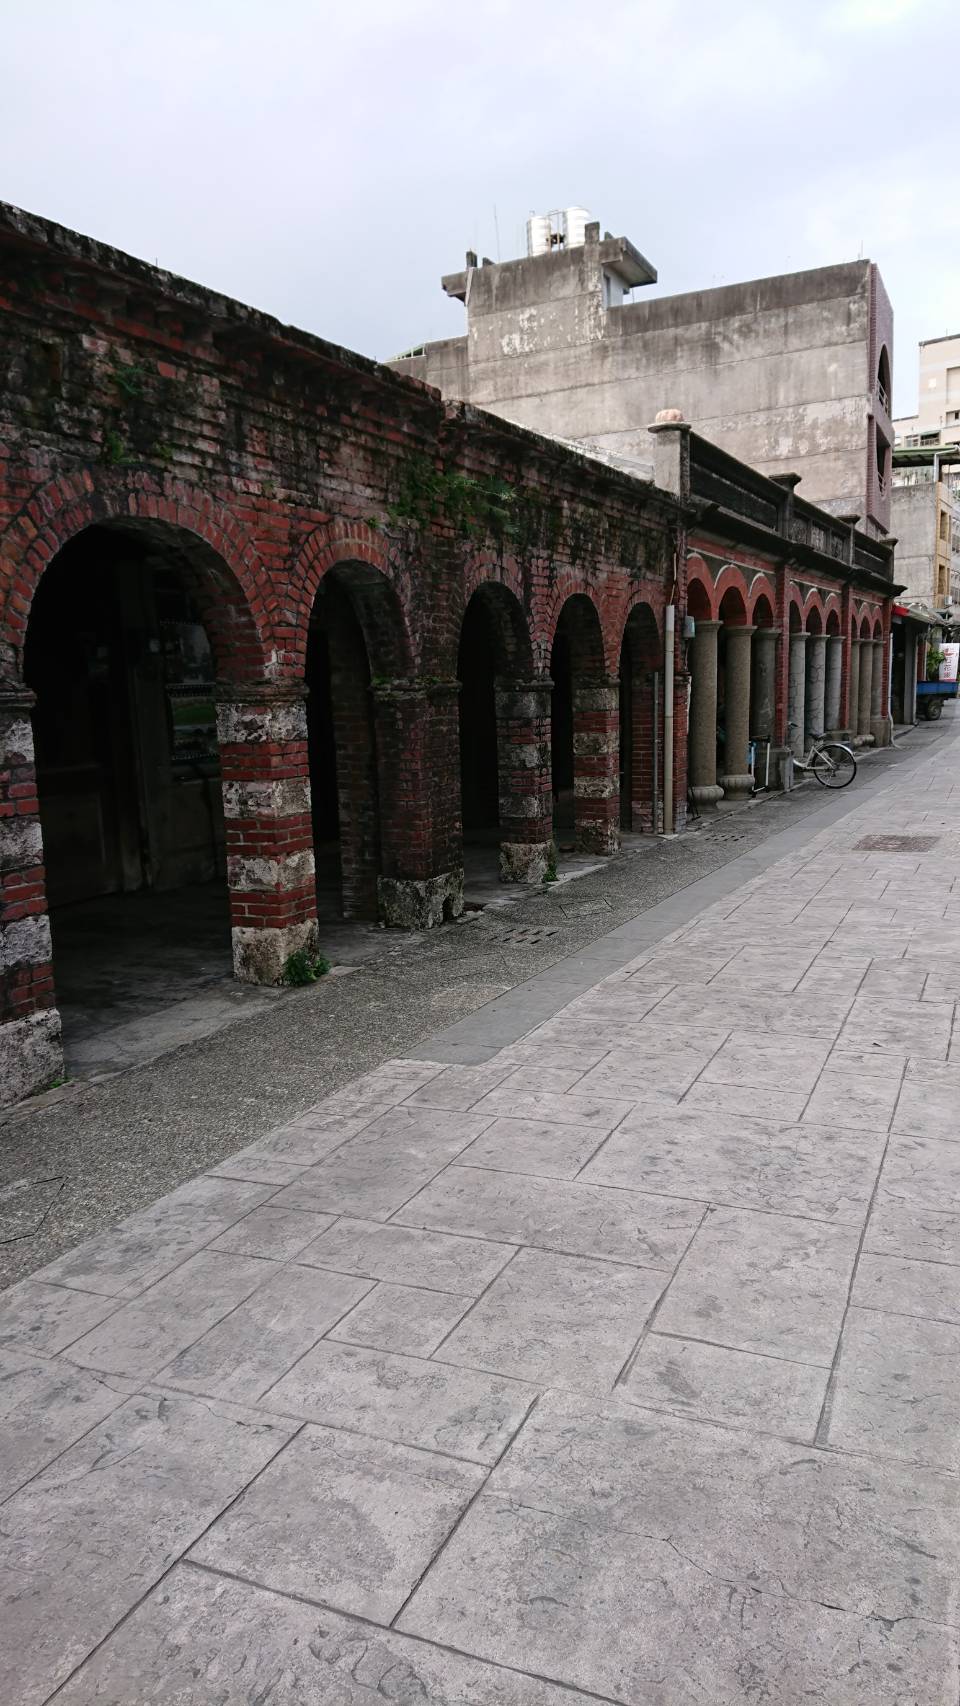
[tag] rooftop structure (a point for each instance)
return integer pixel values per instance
(791, 374)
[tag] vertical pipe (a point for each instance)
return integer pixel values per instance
(655, 777)
(669, 618)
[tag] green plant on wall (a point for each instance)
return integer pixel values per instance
(473, 505)
(129, 377)
(114, 449)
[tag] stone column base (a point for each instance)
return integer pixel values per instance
(844, 736)
(525, 861)
(880, 729)
(259, 954)
(864, 740)
(598, 837)
(411, 903)
(31, 1055)
(706, 795)
(736, 787)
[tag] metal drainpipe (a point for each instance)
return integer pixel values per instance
(668, 636)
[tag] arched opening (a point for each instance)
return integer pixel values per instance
(355, 650)
(499, 717)
(796, 682)
(641, 761)
(734, 670)
(127, 629)
(703, 788)
(883, 379)
(698, 601)
(816, 682)
(763, 691)
(583, 706)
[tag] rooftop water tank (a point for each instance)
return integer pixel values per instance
(562, 228)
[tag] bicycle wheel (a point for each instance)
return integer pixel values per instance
(834, 766)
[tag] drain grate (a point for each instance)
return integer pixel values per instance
(895, 843)
(527, 935)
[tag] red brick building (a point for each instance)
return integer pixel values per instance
(273, 614)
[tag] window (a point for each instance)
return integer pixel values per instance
(883, 381)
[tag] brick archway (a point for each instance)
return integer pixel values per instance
(226, 575)
(641, 660)
(127, 531)
(381, 595)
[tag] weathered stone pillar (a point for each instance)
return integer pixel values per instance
(797, 693)
(815, 689)
(879, 718)
(265, 775)
(31, 1053)
(763, 699)
(702, 744)
(596, 765)
(420, 830)
(523, 767)
(831, 699)
(865, 693)
(763, 706)
(737, 783)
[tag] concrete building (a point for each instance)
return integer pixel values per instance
(281, 625)
(789, 374)
(937, 420)
(926, 523)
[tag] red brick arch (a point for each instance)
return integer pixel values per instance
(832, 614)
(795, 620)
(500, 579)
(761, 587)
(569, 586)
(813, 613)
(702, 602)
(484, 567)
(337, 545)
(223, 564)
(508, 627)
(732, 587)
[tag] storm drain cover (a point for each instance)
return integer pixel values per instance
(896, 844)
(527, 935)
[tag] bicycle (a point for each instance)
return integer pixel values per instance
(833, 764)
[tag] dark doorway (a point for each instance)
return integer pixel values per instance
(479, 773)
(128, 776)
(341, 732)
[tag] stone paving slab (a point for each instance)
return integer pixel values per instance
(201, 1637)
(337, 1517)
(89, 1536)
(621, 1363)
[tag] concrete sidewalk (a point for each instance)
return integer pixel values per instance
(618, 1361)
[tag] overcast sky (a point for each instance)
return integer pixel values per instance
(328, 162)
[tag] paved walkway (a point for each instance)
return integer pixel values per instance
(622, 1364)
(85, 1156)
